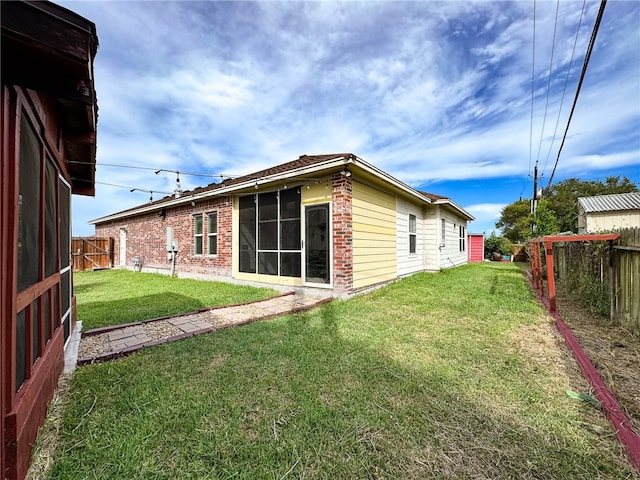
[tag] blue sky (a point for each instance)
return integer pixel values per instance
(438, 94)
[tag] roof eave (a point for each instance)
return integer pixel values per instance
(451, 203)
(329, 165)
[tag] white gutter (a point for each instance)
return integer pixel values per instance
(448, 201)
(336, 162)
(412, 191)
(389, 179)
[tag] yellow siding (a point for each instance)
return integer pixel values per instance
(318, 193)
(374, 236)
(273, 279)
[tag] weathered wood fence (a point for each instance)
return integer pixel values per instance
(606, 275)
(91, 253)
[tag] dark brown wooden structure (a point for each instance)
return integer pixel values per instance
(48, 118)
(91, 253)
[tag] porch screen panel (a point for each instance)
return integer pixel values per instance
(290, 264)
(21, 348)
(268, 221)
(64, 203)
(35, 330)
(290, 252)
(247, 234)
(65, 298)
(50, 221)
(55, 307)
(268, 233)
(47, 316)
(29, 207)
(268, 263)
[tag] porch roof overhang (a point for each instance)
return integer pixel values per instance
(326, 165)
(49, 49)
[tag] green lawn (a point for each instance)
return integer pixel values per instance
(114, 297)
(435, 376)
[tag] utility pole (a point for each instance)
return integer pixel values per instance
(534, 198)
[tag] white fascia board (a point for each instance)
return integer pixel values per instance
(389, 179)
(328, 165)
(451, 203)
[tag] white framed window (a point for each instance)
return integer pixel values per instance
(443, 232)
(412, 233)
(463, 238)
(212, 233)
(197, 234)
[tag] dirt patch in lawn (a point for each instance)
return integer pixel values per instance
(613, 350)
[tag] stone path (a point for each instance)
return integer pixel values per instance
(108, 343)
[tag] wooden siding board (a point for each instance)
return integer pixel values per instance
(31, 402)
(608, 221)
(374, 221)
(430, 238)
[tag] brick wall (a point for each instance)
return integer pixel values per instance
(147, 238)
(342, 234)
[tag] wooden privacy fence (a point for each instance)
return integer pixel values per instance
(91, 253)
(604, 274)
(626, 279)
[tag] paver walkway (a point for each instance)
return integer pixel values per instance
(108, 343)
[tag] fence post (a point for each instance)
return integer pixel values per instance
(611, 299)
(550, 275)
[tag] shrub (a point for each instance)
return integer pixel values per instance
(496, 244)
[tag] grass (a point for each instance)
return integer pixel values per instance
(114, 297)
(435, 376)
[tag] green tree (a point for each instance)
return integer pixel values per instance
(495, 244)
(514, 221)
(544, 219)
(558, 209)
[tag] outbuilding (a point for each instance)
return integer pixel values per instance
(605, 213)
(327, 221)
(476, 247)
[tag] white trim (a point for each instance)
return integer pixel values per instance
(209, 234)
(303, 233)
(334, 163)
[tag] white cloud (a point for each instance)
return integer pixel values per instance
(425, 90)
(486, 215)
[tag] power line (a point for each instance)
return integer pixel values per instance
(533, 77)
(135, 189)
(585, 64)
(157, 170)
(546, 105)
(564, 89)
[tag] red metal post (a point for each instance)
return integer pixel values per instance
(551, 284)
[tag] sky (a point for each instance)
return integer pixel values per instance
(456, 98)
